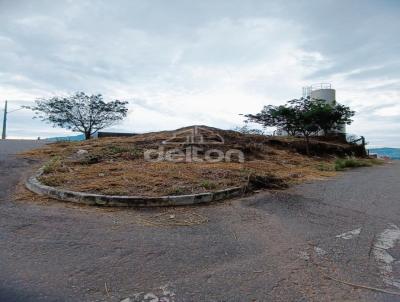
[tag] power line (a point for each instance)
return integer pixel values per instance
(15, 110)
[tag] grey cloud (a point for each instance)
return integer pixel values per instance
(155, 50)
(387, 71)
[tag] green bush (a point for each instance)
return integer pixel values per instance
(54, 165)
(208, 185)
(343, 163)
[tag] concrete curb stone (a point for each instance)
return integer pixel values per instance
(34, 185)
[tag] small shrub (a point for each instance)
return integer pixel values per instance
(208, 185)
(52, 180)
(54, 165)
(175, 191)
(92, 158)
(132, 153)
(343, 163)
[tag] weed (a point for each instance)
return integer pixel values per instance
(111, 152)
(343, 163)
(92, 158)
(52, 180)
(208, 185)
(175, 191)
(132, 153)
(325, 167)
(115, 149)
(376, 161)
(54, 165)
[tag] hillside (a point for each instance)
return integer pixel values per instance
(117, 166)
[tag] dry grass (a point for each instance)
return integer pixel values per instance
(116, 166)
(166, 178)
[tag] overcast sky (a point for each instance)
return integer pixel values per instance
(180, 63)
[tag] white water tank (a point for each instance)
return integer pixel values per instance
(328, 95)
(323, 91)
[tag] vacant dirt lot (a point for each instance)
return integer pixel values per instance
(118, 166)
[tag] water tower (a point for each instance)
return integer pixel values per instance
(323, 91)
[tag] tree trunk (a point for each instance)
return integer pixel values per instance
(87, 135)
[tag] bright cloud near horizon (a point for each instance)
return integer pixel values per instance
(181, 63)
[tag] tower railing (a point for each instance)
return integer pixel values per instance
(321, 86)
(307, 89)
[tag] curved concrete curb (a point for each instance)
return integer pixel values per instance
(34, 185)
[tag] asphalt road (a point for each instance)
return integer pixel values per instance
(272, 246)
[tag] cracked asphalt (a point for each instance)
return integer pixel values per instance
(271, 246)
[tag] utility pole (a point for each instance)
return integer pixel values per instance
(3, 136)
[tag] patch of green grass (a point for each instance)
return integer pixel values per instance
(208, 185)
(343, 163)
(135, 153)
(326, 167)
(376, 161)
(115, 149)
(122, 151)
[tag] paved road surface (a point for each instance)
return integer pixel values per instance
(279, 246)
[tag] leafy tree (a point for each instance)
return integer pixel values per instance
(331, 116)
(303, 117)
(282, 117)
(245, 129)
(80, 112)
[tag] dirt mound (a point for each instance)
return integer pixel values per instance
(118, 166)
(253, 145)
(204, 138)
